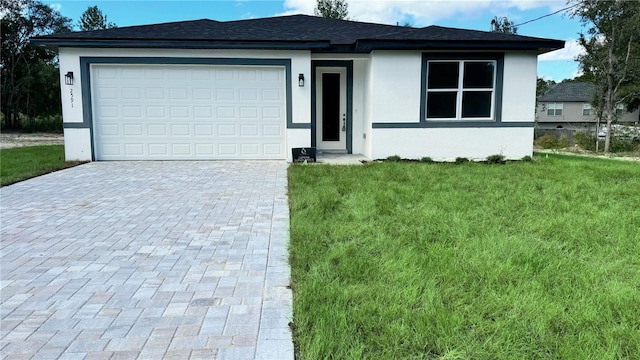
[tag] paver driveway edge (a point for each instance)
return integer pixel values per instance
(147, 260)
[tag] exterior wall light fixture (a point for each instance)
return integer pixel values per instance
(68, 78)
(301, 80)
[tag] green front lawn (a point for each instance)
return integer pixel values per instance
(22, 163)
(536, 260)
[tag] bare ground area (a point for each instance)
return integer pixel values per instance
(576, 150)
(10, 139)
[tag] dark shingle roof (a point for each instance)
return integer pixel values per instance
(568, 91)
(294, 32)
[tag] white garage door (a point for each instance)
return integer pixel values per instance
(190, 112)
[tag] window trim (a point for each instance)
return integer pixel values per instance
(554, 106)
(586, 107)
(496, 106)
(620, 110)
(460, 90)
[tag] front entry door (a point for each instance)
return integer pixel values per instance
(331, 108)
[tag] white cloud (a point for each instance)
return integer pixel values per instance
(572, 49)
(422, 12)
(56, 6)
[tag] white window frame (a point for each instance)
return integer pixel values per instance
(620, 110)
(460, 90)
(586, 109)
(553, 108)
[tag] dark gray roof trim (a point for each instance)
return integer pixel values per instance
(184, 44)
(294, 32)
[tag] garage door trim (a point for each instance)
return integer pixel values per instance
(85, 73)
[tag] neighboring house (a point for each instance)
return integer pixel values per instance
(255, 89)
(567, 105)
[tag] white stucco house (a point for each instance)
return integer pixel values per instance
(255, 89)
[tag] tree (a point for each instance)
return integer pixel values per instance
(504, 25)
(29, 75)
(94, 19)
(542, 86)
(612, 55)
(334, 9)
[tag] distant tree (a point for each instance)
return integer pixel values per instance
(29, 74)
(542, 86)
(334, 9)
(585, 77)
(94, 19)
(612, 55)
(407, 23)
(504, 25)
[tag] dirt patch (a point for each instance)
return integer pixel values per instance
(580, 152)
(12, 140)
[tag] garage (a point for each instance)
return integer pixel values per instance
(188, 112)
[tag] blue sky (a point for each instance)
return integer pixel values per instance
(468, 14)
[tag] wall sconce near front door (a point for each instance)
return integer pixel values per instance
(301, 80)
(68, 78)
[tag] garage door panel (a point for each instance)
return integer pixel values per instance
(133, 130)
(158, 150)
(188, 112)
(155, 111)
(248, 112)
(134, 149)
(202, 94)
(204, 150)
(178, 94)
(249, 130)
(178, 112)
(131, 93)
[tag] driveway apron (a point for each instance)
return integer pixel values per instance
(147, 260)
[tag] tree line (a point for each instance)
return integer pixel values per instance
(29, 76)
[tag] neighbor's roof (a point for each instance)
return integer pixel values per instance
(296, 32)
(568, 91)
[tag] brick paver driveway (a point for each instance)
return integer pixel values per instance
(147, 260)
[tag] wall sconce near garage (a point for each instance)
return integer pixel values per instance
(301, 80)
(68, 78)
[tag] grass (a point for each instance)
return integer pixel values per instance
(22, 163)
(536, 260)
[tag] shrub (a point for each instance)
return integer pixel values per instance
(585, 141)
(549, 141)
(620, 145)
(427, 160)
(461, 160)
(526, 158)
(394, 158)
(496, 159)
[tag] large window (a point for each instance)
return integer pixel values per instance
(460, 89)
(586, 109)
(554, 109)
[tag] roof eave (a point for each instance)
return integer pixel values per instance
(180, 44)
(540, 46)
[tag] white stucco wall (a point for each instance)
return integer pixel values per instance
(446, 144)
(368, 131)
(77, 144)
(519, 87)
(359, 93)
(395, 98)
(72, 110)
(395, 86)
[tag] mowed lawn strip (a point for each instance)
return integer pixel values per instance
(528, 260)
(22, 163)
